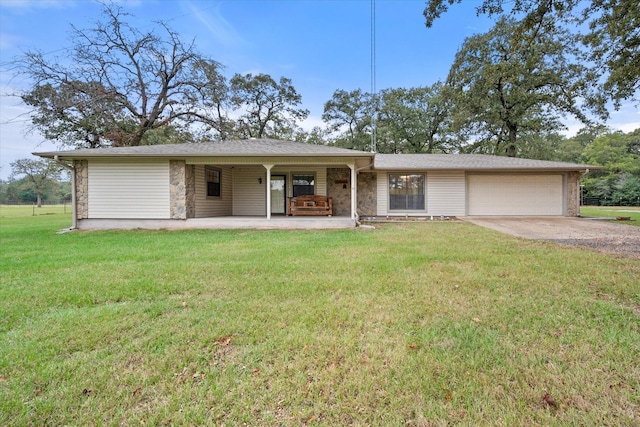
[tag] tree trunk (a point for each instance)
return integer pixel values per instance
(511, 148)
(38, 200)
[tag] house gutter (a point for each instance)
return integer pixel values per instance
(365, 167)
(74, 218)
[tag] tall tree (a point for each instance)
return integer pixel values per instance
(269, 109)
(316, 136)
(41, 174)
(414, 120)
(613, 44)
(618, 183)
(615, 151)
(117, 83)
(349, 116)
(214, 95)
(571, 149)
(608, 29)
(510, 81)
(75, 113)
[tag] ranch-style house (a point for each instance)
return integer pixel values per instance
(271, 183)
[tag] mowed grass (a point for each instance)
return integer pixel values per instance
(632, 212)
(414, 324)
(20, 211)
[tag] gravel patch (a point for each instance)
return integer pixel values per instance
(630, 249)
(603, 236)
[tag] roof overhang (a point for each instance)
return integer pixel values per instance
(475, 163)
(266, 151)
(251, 148)
(492, 170)
(73, 155)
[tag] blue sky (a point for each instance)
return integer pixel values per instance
(322, 45)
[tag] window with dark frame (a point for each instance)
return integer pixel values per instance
(213, 178)
(303, 184)
(406, 192)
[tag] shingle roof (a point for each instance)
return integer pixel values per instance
(240, 148)
(273, 147)
(468, 162)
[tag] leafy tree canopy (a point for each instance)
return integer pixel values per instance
(616, 151)
(608, 31)
(349, 116)
(40, 174)
(269, 109)
(414, 120)
(509, 81)
(118, 83)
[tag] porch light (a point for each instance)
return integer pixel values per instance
(259, 180)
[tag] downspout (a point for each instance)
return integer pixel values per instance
(74, 218)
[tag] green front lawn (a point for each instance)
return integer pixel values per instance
(410, 324)
(633, 212)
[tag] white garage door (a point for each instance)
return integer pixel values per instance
(515, 194)
(129, 190)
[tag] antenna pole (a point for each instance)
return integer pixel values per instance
(374, 97)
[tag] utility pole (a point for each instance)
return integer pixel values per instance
(374, 95)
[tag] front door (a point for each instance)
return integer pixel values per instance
(278, 194)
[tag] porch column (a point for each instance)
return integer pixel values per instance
(354, 186)
(268, 168)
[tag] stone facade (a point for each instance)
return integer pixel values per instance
(339, 188)
(573, 188)
(190, 187)
(82, 188)
(177, 189)
(367, 194)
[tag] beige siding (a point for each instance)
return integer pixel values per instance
(128, 190)
(515, 194)
(383, 194)
(213, 206)
(446, 193)
(249, 196)
(321, 181)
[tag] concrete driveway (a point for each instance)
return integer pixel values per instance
(606, 236)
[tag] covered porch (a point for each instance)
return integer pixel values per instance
(218, 184)
(240, 191)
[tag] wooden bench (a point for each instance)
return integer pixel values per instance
(310, 205)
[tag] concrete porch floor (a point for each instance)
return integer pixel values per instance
(231, 222)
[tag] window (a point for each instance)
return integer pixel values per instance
(303, 184)
(213, 177)
(406, 192)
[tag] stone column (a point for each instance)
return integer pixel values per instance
(367, 194)
(573, 193)
(190, 184)
(82, 188)
(177, 189)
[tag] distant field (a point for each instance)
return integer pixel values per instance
(419, 324)
(633, 212)
(13, 211)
